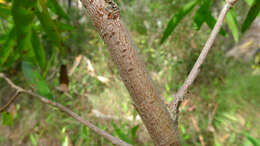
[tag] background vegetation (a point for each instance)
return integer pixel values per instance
(37, 37)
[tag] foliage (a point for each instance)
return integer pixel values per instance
(252, 14)
(203, 14)
(51, 36)
(7, 118)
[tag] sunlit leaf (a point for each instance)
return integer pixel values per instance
(33, 139)
(57, 9)
(232, 23)
(250, 2)
(2, 1)
(4, 10)
(176, 18)
(36, 80)
(7, 119)
(255, 141)
(38, 50)
(252, 14)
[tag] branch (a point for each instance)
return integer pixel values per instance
(106, 135)
(174, 106)
(105, 15)
(12, 99)
(197, 129)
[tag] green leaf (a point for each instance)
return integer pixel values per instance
(199, 18)
(38, 50)
(255, 141)
(250, 2)
(50, 61)
(232, 23)
(7, 119)
(48, 24)
(36, 80)
(121, 134)
(12, 58)
(7, 47)
(33, 139)
(57, 9)
(134, 131)
(203, 14)
(175, 20)
(252, 14)
(5, 11)
(3, 38)
(211, 21)
(64, 27)
(23, 16)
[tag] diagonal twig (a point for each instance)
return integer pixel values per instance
(106, 135)
(174, 106)
(12, 99)
(195, 124)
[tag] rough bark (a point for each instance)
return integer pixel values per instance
(106, 17)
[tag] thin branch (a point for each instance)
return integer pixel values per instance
(174, 106)
(12, 99)
(106, 135)
(195, 124)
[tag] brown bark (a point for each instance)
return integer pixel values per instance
(156, 117)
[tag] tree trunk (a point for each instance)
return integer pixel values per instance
(106, 17)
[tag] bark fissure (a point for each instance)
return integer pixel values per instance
(155, 115)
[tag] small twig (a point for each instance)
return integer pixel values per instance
(75, 64)
(106, 135)
(195, 124)
(211, 119)
(12, 99)
(174, 106)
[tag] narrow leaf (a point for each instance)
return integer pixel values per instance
(47, 24)
(57, 9)
(255, 141)
(7, 47)
(232, 23)
(199, 17)
(36, 80)
(121, 134)
(252, 14)
(203, 14)
(22, 12)
(50, 61)
(134, 130)
(64, 27)
(211, 21)
(38, 50)
(174, 21)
